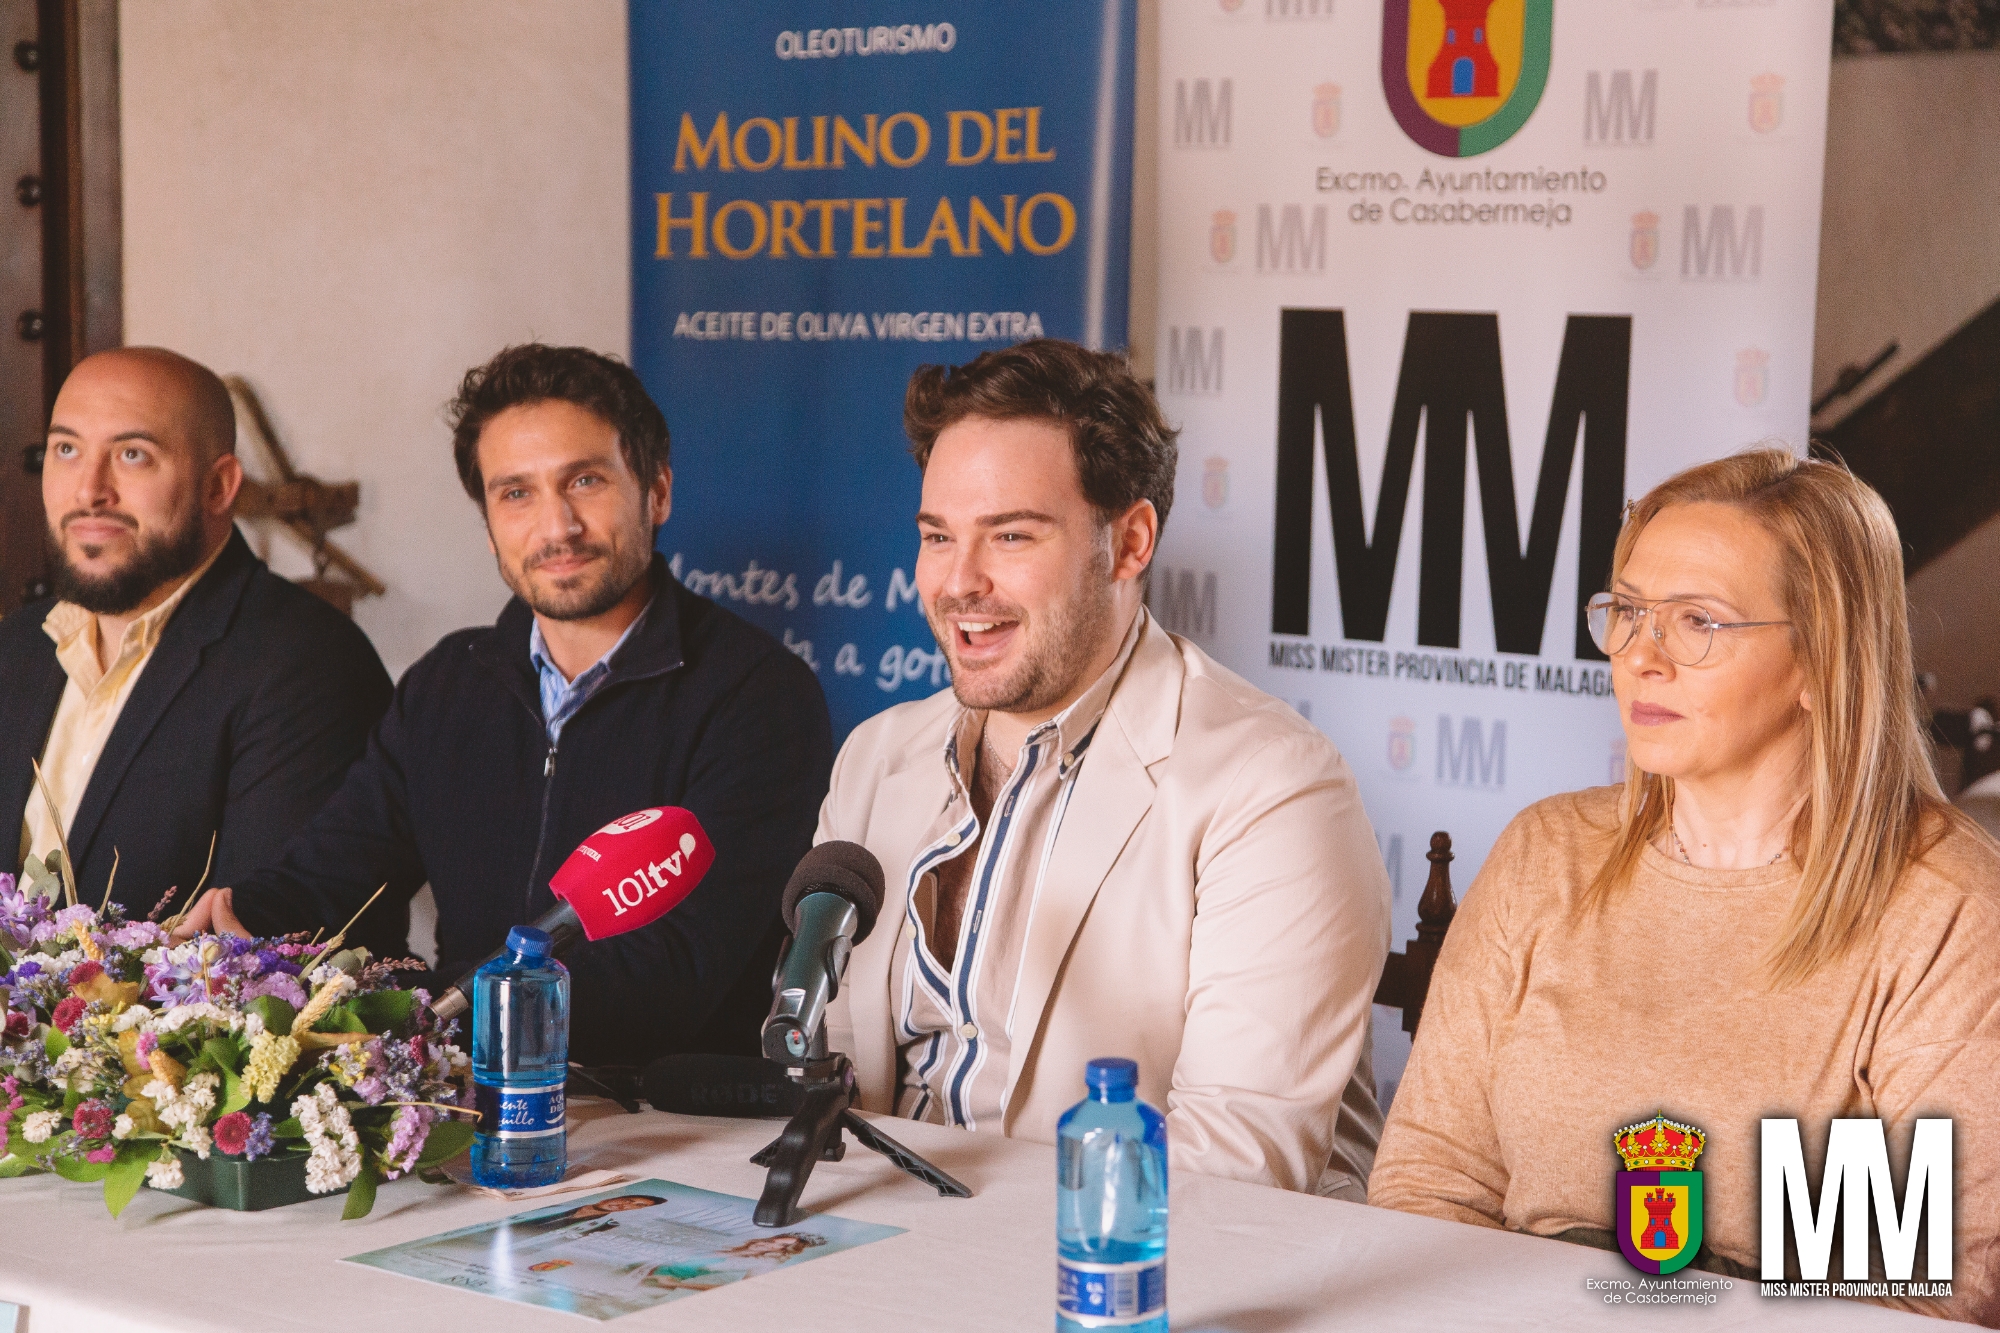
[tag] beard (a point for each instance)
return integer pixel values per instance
(158, 558)
(1057, 648)
(585, 595)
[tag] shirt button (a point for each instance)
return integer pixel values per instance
(909, 931)
(969, 1031)
(951, 839)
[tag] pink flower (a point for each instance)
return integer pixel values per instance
(68, 1012)
(148, 1043)
(105, 1154)
(84, 973)
(92, 1120)
(232, 1132)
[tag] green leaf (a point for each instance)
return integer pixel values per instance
(288, 1129)
(446, 1141)
(125, 1176)
(384, 1011)
(361, 1194)
(235, 1096)
(14, 1165)
(75, 1168)
(55, 1043)
(276, 1013)
(341, 1018)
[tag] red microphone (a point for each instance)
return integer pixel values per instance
(628, 874)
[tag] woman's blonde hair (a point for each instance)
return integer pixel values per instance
(1874, 804)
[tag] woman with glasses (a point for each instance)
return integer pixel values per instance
(1776, 915)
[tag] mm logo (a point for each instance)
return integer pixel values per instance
(1722, 251)
(1184, 600)
(1201, 113)
(1449, 381)
(1618, 111)
(1856, 1176)
(1463, 76)
(1286, 244)
(1194, 361)
(1475, 757)
(1298, 9)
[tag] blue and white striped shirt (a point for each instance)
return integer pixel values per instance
(955, 1026)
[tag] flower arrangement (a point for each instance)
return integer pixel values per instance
(121, 1052)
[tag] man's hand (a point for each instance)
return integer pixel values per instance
(211, 915)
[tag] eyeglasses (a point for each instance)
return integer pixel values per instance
(1683, 631)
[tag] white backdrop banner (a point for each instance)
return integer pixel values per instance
(1443, 284)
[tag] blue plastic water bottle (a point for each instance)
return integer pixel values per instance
(1111, 1207)
(520, 1059)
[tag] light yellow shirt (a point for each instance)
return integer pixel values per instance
(91, 703)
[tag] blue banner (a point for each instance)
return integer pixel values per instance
(817, 211)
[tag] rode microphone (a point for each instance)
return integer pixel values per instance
(830, 905)
(741, 1086)
(628, 874)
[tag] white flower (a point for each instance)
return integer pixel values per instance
(198, 1139)
(253, 1024)
(130, 1018)
(178, 1017)
(165, 1174)
(39, 1125)
(336, 1149)
(123, 1129)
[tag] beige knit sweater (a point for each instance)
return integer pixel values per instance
(1545, 1033)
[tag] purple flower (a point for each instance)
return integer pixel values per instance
(136, 935)
(279, 985)
(407, 1134)
(258, 1142)
(20, 913)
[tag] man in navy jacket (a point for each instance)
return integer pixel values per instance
(604, 688)
(187, 706)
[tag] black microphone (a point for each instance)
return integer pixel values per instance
(741, 1086)
(830, 905)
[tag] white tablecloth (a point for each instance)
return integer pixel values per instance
(1242, 1258)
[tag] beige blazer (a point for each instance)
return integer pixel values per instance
(1215, 908)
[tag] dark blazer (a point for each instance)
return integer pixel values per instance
(461, 787)
(256, 699)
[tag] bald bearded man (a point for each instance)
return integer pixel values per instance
(173, 689)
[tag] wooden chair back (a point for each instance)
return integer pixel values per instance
(1406, 976)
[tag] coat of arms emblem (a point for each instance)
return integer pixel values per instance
(1767, 102)
(1326, 110)
(1215, 481)
(1402, 743)
(1658, 1196)
(1645, 239)
(1753, 375)
(1222, 235)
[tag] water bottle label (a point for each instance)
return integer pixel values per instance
(1110, 1295)
(518, 1113)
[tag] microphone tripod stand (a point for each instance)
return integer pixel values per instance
(813, 1135)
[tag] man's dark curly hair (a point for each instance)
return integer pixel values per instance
(537, 373)
(1125, 451)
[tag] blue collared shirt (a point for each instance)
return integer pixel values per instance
(561, 698)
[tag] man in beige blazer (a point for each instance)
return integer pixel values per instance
(1099, 842)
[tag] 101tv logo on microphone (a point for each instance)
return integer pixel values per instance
(1855, 1179)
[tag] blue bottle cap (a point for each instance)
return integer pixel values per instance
(530, 942)
(1111, 1078)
